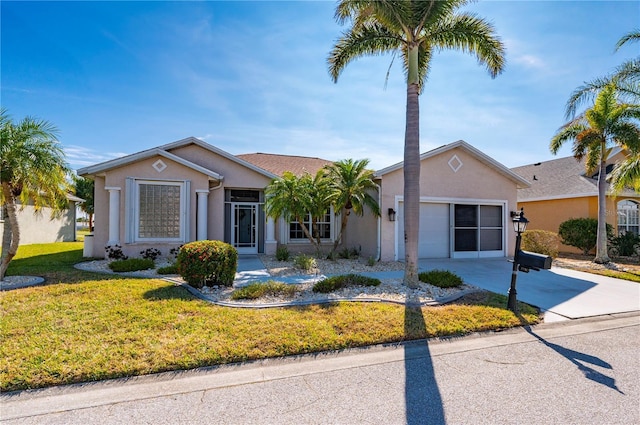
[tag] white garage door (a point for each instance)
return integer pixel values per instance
(434, 231)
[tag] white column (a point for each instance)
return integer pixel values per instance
(201, 218)
(270, 243)
(114, 215)
(271, 230)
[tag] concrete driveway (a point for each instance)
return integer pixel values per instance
(561, 293)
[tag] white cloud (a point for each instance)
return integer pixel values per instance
(79, 156)
(530, 61)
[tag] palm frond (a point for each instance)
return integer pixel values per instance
(370, 39)
(470, 34)
(630, 36)
(627, 174)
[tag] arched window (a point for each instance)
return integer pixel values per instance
(628, 217)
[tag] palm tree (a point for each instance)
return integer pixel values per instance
(625, 78)
(32, 169)
(351, 184)
(415, 30)
(608, 123)
(296, 198)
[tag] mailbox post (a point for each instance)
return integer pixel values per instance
(523, 260)
(519, 225)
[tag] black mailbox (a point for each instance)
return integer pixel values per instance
(533, 260)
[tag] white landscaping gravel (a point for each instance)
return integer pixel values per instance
(391, 289)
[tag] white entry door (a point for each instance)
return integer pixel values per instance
(244, 227)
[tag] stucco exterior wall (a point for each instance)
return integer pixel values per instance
(40, 228)
(549, 214)
(362, 234)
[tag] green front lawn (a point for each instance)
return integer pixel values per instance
(88, 327)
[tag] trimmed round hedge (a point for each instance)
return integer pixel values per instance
(207, 263)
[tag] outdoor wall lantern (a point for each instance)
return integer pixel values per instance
(392, 214)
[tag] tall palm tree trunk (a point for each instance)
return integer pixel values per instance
(602, 256)
(411, 186)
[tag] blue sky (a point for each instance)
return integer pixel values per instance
(120, 77)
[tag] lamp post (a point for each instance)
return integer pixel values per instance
(519, 226)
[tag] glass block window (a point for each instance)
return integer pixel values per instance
(159, 211)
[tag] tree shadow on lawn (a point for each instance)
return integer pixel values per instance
(56, 267)
(170, 292)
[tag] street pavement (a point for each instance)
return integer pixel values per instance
(573, 372)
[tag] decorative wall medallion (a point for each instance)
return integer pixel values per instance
(159, 166)
(455, 163)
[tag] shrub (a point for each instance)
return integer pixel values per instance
(172, 269)
(259, 290)
(371, 261)
(114, 252)
(581, 233)
(282, 253)
(542, 242)
(334, 283)
(131, 264)
(348, 254)
(441, 278)
(174, 251)
(304, 262)
(625, 245)
(203, 263)
(150, 253)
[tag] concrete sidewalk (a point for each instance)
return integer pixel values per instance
(562, 294)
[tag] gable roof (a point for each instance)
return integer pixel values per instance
(480, 156)
(559, 179)
(278, 164)
(164, 151)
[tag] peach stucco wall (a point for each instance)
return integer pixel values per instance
(549, 214)
(473, 181)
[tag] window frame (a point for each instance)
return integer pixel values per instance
(623, 208)
(304, 239)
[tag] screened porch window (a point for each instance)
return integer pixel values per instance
(478, 228)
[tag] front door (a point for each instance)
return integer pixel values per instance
(244, 227)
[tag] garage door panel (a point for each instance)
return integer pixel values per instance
(434, 231)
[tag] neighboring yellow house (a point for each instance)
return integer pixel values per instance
(561, 189)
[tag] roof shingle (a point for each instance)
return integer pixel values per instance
(278, 164)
